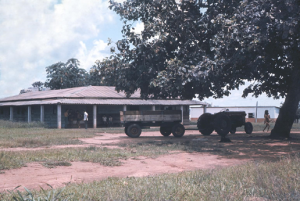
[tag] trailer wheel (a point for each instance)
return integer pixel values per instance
(233, 130)
(178, 130)
(222, 124)
(134, 131)
(165, 130)
(248, 127)
(204, 124)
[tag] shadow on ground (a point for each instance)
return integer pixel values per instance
(258, 146)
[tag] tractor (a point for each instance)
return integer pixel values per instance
(223, 123)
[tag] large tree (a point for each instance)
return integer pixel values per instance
(66, 75)
(208, 48)
(263, 46)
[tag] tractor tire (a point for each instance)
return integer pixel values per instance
(178, 130)
(134, 131)
(222, 124)
(204, 124)
(165, 130)
(248, 127)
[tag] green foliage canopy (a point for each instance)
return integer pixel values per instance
(163, 61)
(185, 50)
(66, 75)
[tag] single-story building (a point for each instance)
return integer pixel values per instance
(64, 108)
(251, 111)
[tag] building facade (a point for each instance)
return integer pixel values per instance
(64, 108)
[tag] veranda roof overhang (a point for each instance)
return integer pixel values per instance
(101, 102)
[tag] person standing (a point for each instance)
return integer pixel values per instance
(79, 118)
(104, 119)
(110, 121)
(85, 118)
(66, 115)
(267, 120)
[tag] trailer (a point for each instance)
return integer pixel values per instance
(169, 122)
(223, 123)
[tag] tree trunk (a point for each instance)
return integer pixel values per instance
(288, 110)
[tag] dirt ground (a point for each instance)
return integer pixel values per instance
(203, 152)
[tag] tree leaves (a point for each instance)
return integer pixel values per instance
(66, 75)
(185, 50)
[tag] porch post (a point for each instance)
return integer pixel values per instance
(204, 109)
(124, 108)
(58, 116)
(181, 108)
(11, 113)
(29, 114)
(153, 109)
(95, 116)
(42, 110)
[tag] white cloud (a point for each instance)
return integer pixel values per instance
(139, 27)
(35, 34)
(98, 52)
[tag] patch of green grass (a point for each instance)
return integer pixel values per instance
(50, 195)
(53, 157)
(12, 124)
(104, 156)
(253, 181)
(38, 137)
(54, 164)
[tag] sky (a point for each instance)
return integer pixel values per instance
(35, 34)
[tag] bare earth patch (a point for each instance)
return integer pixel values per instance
(242, 149)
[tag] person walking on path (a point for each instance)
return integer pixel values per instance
(267, 120)
(85, 118)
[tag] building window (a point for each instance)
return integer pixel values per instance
(250, 115)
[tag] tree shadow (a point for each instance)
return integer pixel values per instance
(258, 146)
(242, 146)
